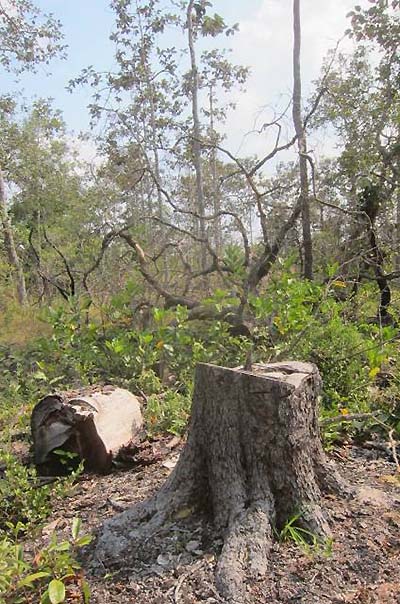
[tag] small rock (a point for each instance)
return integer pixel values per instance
(191, 546)
(375, 497)
(164, 560)
(170, 463)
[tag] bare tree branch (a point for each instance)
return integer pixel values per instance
(65, 262)
(45, 278)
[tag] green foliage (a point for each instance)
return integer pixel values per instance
(310, 543)
(46, 576)
(28, 36)
(24, 501)
(306, 322)
(21, 499)
(167, 413)
(234, 260)
(292, 319)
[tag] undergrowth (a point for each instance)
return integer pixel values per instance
(292, 319)
(309, 542)
(25, 500)
(50, 575)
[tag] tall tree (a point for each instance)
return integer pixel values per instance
(157, 138)
(49, 205)
(196, 142)
(363, 105)
(302, 144)
(27, 38)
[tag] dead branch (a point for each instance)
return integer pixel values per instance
(45, 278)
(341, 419)
(65, 262)
(170, 299)
(107, 240)
(262, 265)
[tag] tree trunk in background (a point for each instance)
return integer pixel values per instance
(153, 127)
(302, 144)
(397, 236)
(9, 244)
(252, 460)
(200, 209)
(214, 176)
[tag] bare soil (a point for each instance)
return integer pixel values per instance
(177, 564)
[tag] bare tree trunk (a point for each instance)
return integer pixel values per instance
(153, 128)
(215, 192)
(302, 144)
(196, 134)
(397, 236)
(253, 459)
(10, 245)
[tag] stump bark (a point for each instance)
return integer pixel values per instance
(252, 460)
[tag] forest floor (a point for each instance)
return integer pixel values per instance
(177, 565)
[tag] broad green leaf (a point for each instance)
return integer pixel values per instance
(56, 591)
(64, 546)
(32, 578)
(85, 591)
(39, 375)
(84, 540)
(76, 527)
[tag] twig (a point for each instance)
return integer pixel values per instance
(393, 447)
(391, 441)
(116, 505)
(183, 578)
(339, 419)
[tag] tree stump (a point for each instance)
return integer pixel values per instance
(252, 460)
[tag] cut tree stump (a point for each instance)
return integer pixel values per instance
(252, 460)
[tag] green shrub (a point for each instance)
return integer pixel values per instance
(23, 499)
(168, 412)
(292, 319)
(45, 577)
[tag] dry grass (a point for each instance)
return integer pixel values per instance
(20, 325)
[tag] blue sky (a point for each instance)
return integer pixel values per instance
(87, 25)
(263, 43)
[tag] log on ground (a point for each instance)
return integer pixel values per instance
(93, 424)
(253, 459)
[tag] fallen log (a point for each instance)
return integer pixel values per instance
(253, 460)
(93, 424)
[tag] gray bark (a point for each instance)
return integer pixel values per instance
(397, 235)
(215, 184)
(10, 246)
(302, 144)
(253, 459)
(196, 146)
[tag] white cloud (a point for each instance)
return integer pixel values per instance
(86, 150)
(9, 7)
(264, 42)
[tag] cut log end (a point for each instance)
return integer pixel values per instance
(92, 424)
(253, 460)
